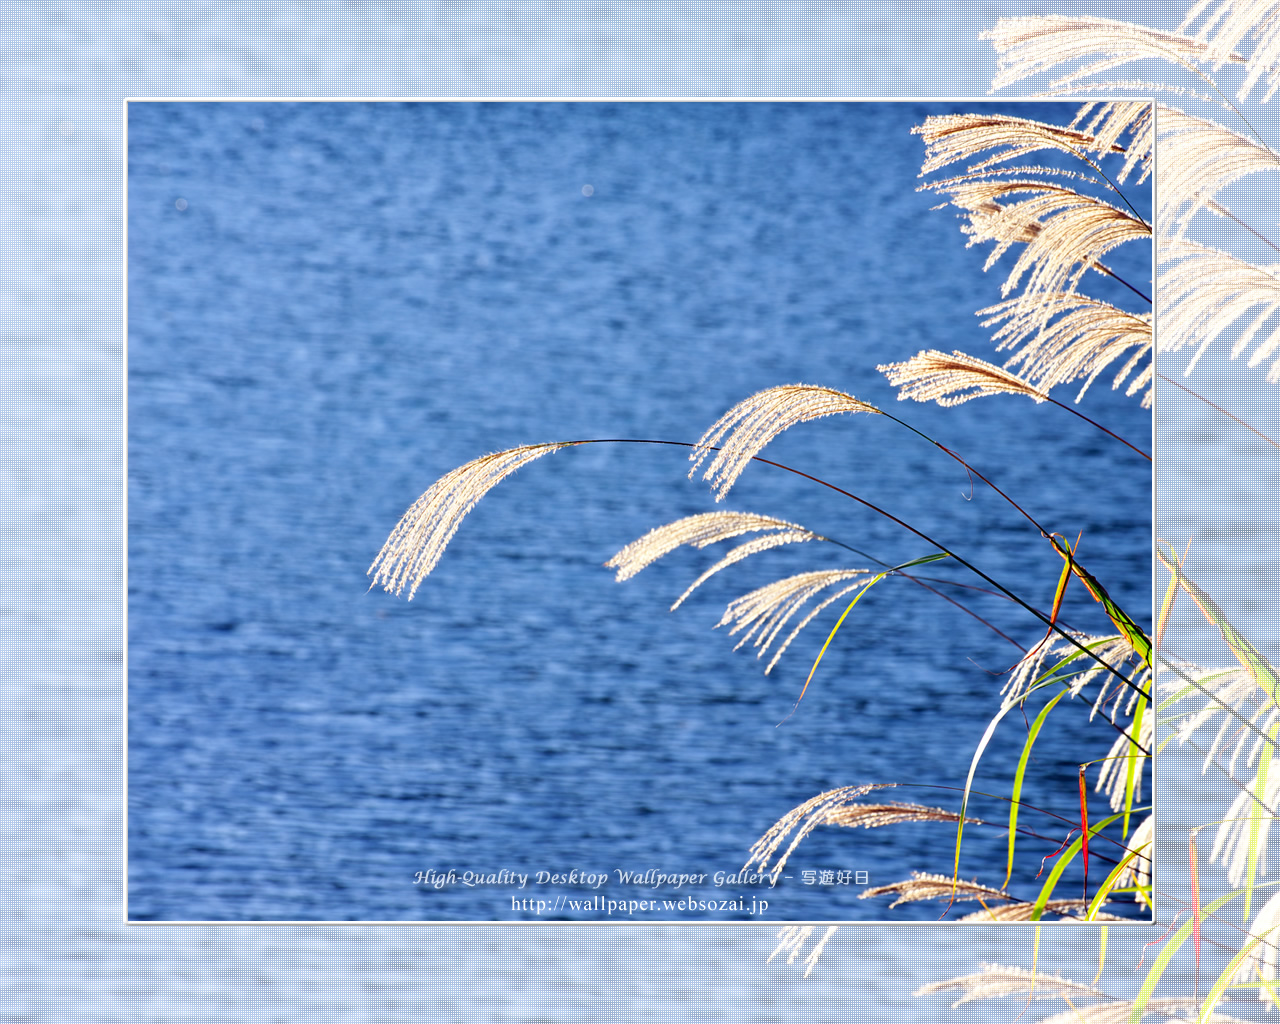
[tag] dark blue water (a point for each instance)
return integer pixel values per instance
(331, 305)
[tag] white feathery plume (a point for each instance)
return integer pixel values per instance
(1234, 20)
(812, 812)
(1115, 766)
(997, 980)
(934, 376)
(697, 531)
(1203, 292)
(1233, 840)
(746, 550)
(1106, 122)
(415, 545)
(792, 939)
(755, 421)
(1032, 45)
(1198, 159)
(1183, 1008)
(1064, 231)
(951, 138)
(1086, 337)
(767, 609)
(1138, 871)
(1069, 909)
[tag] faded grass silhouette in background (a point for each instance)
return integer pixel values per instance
(1068, 220)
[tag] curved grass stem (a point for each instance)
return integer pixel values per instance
(906, 526)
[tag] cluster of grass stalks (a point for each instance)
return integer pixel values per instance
(1065, 219)
(1056, 194)
(1226, 718)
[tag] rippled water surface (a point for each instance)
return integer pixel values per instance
(331, 305)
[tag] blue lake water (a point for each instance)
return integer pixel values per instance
(331, 305)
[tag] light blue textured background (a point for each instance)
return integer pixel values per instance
(64, 70)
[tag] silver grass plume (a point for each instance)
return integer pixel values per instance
(1086, 337)
(1064, 231)
(1106, 122)
(742, 551)
(934, 376)
(1169, 1008)
(767, 609)
(1234, 695)
(995, 980)
(1226, 25)
(1115, 766)
(793, 938)
(923, 886)
(697, 531)
(755, 421)
(419, 539)
(1115, 650)
(1071, 910)
(951, 138)
(812, 813)
(1204, 291)
(1233, 689)
(1234, 840)
(1030, 46)
(1198, 159)
(838, 807)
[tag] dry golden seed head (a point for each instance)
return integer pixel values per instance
(415, 545)
(767, 609)
(755, 421)
(922, 886)
(934, 376)
(1088, 45)
(697, 531)
(998, 980)
(1067, 336)
(746, 550)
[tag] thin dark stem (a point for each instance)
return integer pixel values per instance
(1222, 211)
(1076, 412)
(1068, 553)
(1165, 662)
(924, 581)
(1114, 276)
(1214, 405)
(906, 526)
(1022, 805)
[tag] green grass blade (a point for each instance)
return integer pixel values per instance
(1255, 818)
(1253, 661)
(876, 579)
(1050, 883)
(1104, 890)
(968, 787)
(1135, 755)
(1018, 777)
(1139, 640)
(1224, 979)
